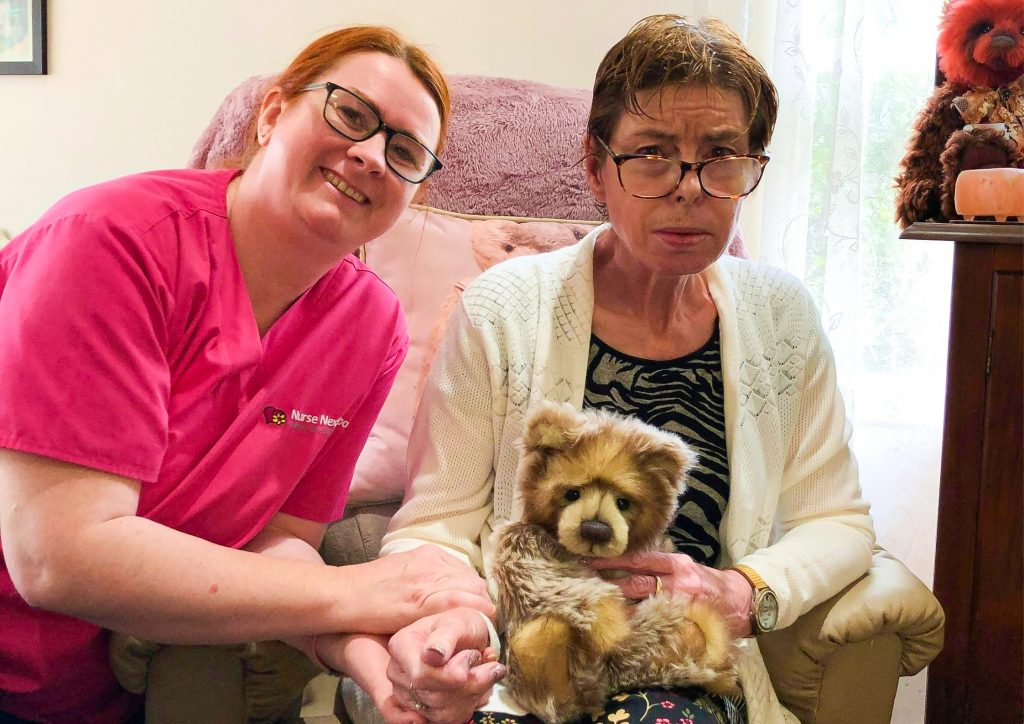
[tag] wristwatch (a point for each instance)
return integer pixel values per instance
(764, 611)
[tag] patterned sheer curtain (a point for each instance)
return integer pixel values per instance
(852, 76)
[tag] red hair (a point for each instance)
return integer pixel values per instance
(325, 51)
(967, 53)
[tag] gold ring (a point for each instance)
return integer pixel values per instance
(416, 703)
(658, 585)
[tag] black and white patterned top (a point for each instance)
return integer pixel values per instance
(684, 396)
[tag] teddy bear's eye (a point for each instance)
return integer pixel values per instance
(572, 494)
(981, 28)
(622, 503)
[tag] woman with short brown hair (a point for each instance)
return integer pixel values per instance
(647, 317)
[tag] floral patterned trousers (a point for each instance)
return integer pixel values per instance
(649, 706)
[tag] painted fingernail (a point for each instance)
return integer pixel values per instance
(499, 672)
(440, 651)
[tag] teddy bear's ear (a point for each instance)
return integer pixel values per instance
(552, 426)
(666, 455)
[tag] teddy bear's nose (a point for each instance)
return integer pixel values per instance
(1002, 41)
(595, 531)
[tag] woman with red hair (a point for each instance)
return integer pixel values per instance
(191, 364)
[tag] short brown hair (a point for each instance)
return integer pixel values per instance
(325, 51)
(664, 50)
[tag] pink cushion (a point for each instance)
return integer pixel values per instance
(427, 258)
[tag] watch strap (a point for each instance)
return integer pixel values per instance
(751, 575)
(759, 586)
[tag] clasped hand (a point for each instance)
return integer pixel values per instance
(442, 669)
(420, 582)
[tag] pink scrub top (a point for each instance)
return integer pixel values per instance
(128, 344)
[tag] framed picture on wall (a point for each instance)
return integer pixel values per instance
(22, 37)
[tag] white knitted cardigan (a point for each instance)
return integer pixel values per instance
(522, 334)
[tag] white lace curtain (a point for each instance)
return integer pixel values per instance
(852, 76)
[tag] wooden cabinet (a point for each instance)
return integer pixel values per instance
(979, 553)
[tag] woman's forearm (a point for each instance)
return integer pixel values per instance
(278, 542)
(72, 544)
(364, 658)
(143, 578)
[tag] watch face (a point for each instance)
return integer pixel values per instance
(767, 611)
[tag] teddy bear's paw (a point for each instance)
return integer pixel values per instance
(705, 652)
(552, 673)
(539, 660)
(718, 648)
(688, 641)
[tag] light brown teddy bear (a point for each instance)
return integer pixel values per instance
(596, 484)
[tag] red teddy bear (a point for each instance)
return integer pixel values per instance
(981, 54)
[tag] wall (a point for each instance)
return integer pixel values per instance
(132, 83)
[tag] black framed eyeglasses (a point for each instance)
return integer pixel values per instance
(353, 118)
(654, 177)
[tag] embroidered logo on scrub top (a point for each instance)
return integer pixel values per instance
(321, 423)
(274, 416)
